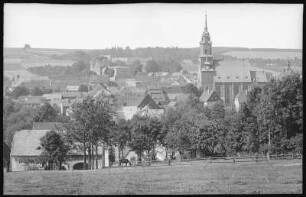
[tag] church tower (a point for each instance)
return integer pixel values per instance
(206, 69)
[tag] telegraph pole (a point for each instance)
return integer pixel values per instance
(269, 144)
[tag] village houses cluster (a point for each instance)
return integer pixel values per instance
(151, 94)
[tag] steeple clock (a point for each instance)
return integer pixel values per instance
(206, 69)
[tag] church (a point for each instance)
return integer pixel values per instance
(224, 79)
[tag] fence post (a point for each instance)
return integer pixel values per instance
(234, 160)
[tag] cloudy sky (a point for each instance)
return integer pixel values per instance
(151, 25)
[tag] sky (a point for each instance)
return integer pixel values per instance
(152, 25)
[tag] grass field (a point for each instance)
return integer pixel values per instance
(264, 54)
(200, 177)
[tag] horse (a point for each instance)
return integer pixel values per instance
(126, 161)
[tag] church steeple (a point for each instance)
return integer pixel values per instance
(205, 28)
(206, 69)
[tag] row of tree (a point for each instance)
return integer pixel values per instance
(24, 91)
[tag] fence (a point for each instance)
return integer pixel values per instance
(244, 158)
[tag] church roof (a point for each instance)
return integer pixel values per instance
(233, 71)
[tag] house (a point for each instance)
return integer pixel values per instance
(99, 63)
(126, 112)
(158, 95)
(26, 150)
(72, 88)
(149, 107)
(122, 72)
(52, 96)
(131, 82)
(73, 95)
(209, 98)
(240, 98)
(31, 101)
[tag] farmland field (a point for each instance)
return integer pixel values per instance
(198, 177)
(264, 54)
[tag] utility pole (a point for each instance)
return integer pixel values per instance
(269, 144)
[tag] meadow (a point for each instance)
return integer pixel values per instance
(264, 54)
(198, 177)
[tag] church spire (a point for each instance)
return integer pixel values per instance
(205, 29)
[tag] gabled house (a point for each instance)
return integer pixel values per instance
(159, 96)
(26, 149)
(209, 98)
(149, 107)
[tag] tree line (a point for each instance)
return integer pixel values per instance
(270, 121)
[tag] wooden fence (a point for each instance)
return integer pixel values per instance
(258, 158)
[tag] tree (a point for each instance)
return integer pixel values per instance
(218, 111)
(27, 46)
(20, 91)
(91, 123)
(152, 66)
(191, 89)
(54, 148)
(83, 88)
(37, 92)
(121, 136)
(79, 66)
(136, 67)
(280, 112)
(46, 113)
(145, 133)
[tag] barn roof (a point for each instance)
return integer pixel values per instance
(26, 142)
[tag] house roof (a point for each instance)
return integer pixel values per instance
(31, 99)
(47, 125)
(26, 142)
(172, 104)
(158, 95)
(181, 97)
(148, 101)
(98, 89)
(173, 90)
(72, 94)
(53, 96)
(209, 96)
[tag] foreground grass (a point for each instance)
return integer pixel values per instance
(280, 177)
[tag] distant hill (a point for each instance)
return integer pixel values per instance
(157, 53)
